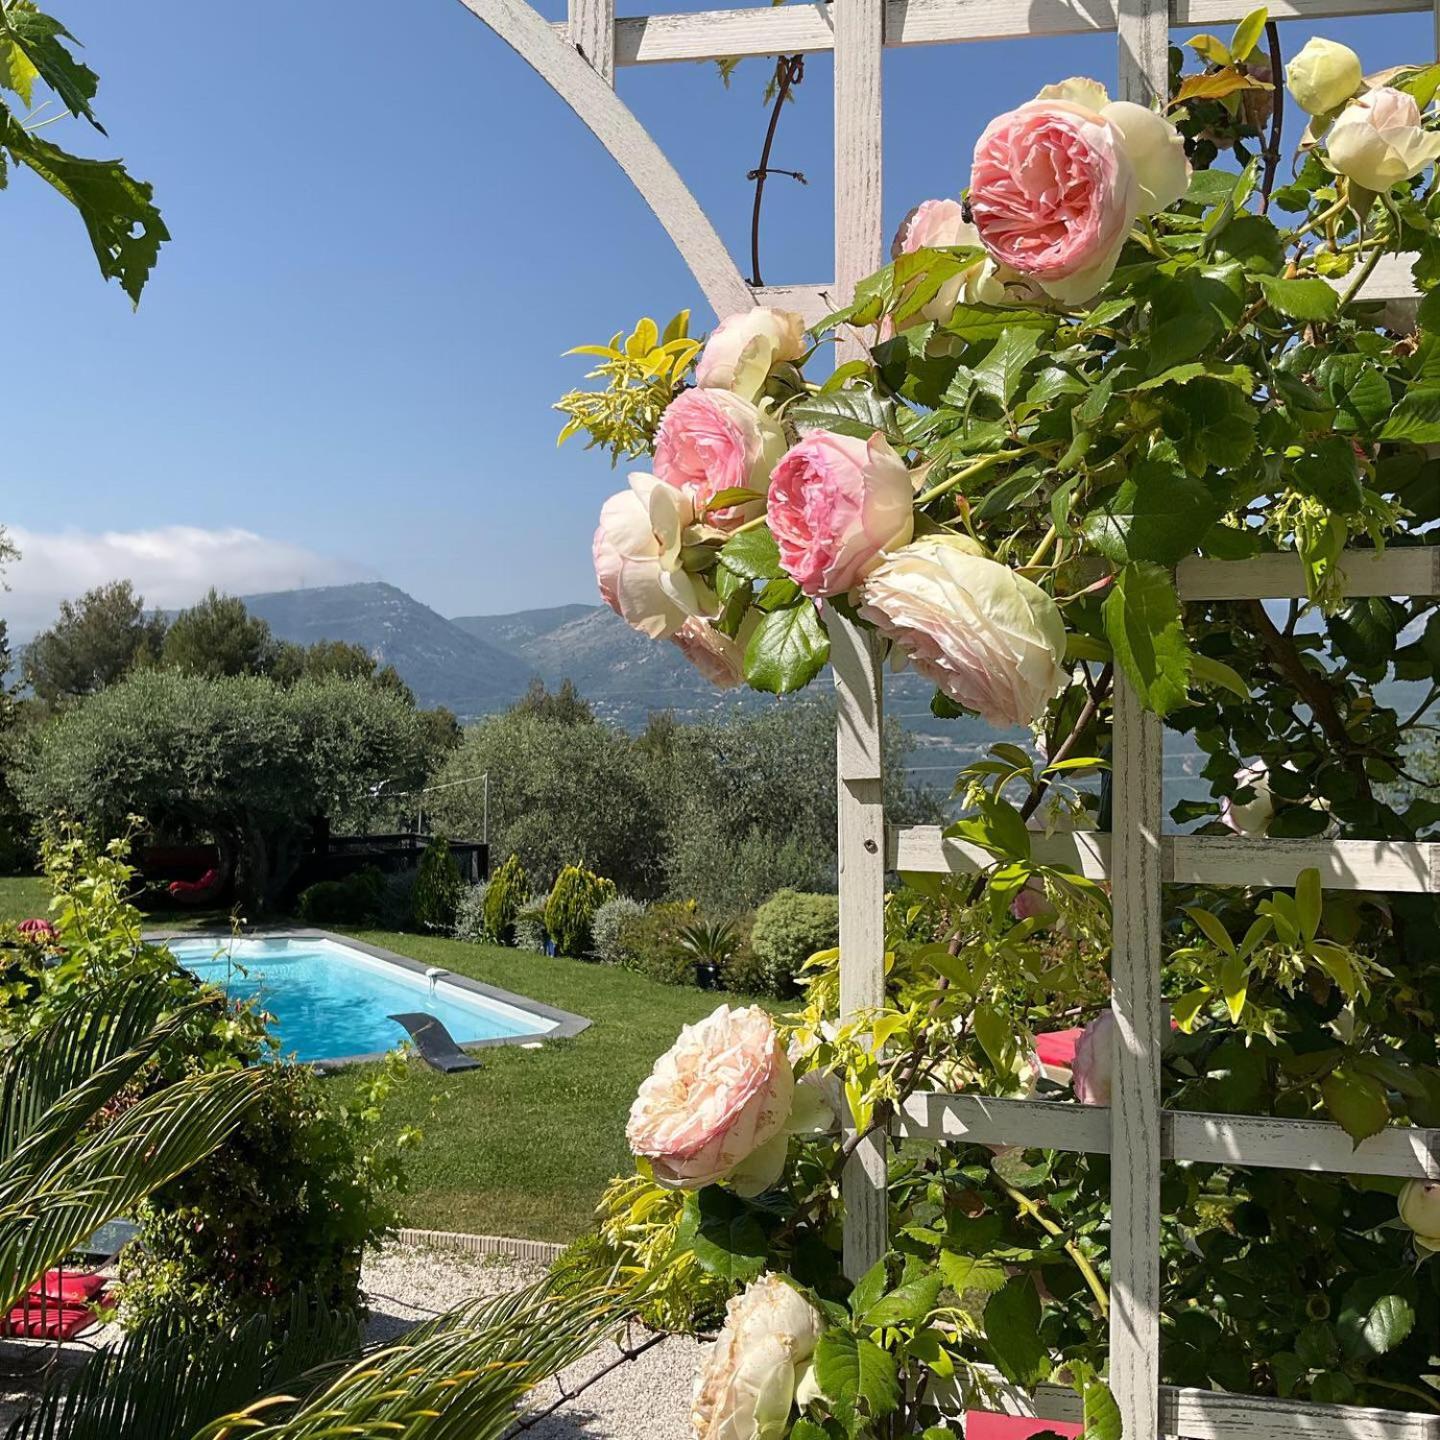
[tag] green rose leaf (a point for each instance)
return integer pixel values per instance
(1376, 1315)
(1356, 1102)
(1101, 1413)
(1211, 423)
(1416, 418)
(1366, 631)
(858, 413)
(1159, 513)
(1001, 371)
(723, 1234)
(907, 1304)
(1329, 473)
(857, 1377)
(1357, 390)
(787, 650)
(1012, 1327)
(753, 555)
(971, 1272)
(1301, 299)
(1142, 620)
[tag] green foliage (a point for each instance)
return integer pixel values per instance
(470, 914)
(219, 637)
(97, 640)
(605, 927)
(437, 888)
(570, 910)
(356, 900)
(298, 1193)
(242, 758)
(642, 372)
(790, 927)
(124, 226)
(651, 944)
(564, 707)
(529, 930)
(507, 892)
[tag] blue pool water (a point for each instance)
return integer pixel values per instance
(329, 1001)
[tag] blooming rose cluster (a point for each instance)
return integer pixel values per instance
(760, 1367)
(1376, 133)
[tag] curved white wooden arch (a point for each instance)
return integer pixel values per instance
(589, 93)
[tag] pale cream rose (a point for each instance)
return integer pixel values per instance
(747, 1385)
(1378, 142)
(1323, 76)
(1253, 816)
(637, 554)
(743, 350)
(1419, 1206)
(721, 1093)
(991, 640)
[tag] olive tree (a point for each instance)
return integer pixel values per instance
(240, 759)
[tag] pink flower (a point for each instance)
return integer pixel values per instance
(717, 657)
(1032, 903)
(835, 504)
(991, 640)
(718, 1096)
(1053, 192)
(1380, 140)
(712, 440)
(742, 351)
(1093, 1072)
(935, 224)
(38, 930)
(637, 554)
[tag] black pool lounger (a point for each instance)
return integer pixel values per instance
(434, 1042)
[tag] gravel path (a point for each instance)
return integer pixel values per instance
(646, 1399)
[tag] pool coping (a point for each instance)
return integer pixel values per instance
(567, 1025)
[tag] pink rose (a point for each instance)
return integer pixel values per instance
(990, 639)
(835, 504)
(719, 1097)
(1380, 140)
(1094, 1070)
(1053, 193)
(637, 554)
(1032, 903)
(743, 350)
(717, 657)
(711, 440)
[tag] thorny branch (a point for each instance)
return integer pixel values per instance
(789, 72)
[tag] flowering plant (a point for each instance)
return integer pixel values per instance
(1126, 346)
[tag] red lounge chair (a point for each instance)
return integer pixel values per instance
(981, 1425)
(1057, 1047)
(60, 1307)
(191, 892)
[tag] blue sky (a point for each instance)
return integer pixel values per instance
(386, 231)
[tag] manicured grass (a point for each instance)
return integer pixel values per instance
(524, 1145)
(22, 896)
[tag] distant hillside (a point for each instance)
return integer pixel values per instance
(442, 663)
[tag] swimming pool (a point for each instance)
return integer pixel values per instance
(331, 998)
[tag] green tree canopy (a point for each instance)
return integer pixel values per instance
(219, 637)
(96, 640)
(241, 759)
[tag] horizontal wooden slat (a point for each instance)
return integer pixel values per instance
(1195, 859)
(814, 302)
(1254, 1140)
(1400, 570)
(1215, 1415)
(800, 28)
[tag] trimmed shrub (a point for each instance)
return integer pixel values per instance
(605, 927)
(504, 899)
(470, 914)
(355, 900)
(577, 895)
(652, 945)
(437, 887)
(529, 928)
(789, 928)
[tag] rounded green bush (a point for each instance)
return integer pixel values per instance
(652, 944)
(789, 928)
(356, 900)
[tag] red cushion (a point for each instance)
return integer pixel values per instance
(1058, 1047)
(71, 1287)
(981, 1425)
(33, 1321)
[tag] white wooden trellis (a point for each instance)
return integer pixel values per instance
(578, 57)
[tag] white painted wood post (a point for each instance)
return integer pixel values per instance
(1137, 811)
(592, 33)
(854, 654)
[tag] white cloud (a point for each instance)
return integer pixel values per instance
(171, 566)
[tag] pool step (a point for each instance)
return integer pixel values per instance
(436, 1045)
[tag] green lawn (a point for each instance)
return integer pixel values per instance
(524, 1145)
(22, 896)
